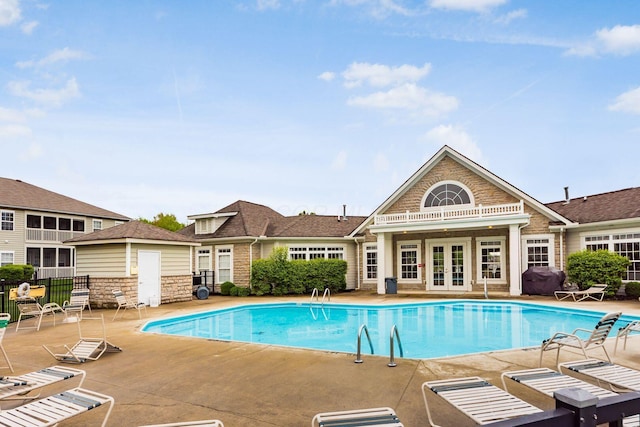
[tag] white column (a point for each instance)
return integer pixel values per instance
(382, 264)
(515, 276)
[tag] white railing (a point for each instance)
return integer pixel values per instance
(46, 272)
(448, 213)
(40, 235)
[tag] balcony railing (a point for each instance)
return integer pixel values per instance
(46, 272)
(451, 213)
(40, 235)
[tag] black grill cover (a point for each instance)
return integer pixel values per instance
(542, 280)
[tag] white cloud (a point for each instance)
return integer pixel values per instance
(510, 16)
(408, 97)
(268, 4)
(376, 8)
(28, 27)
(49, 97)
(60, 55)
(620, 40)
(9, 12)
(340, 161)
(327, 76)
(14, 116)
(14, 130)
(456, 138)
(378, 75)
(467, 5)
(628, 102)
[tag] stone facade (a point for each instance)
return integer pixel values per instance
(173, 289)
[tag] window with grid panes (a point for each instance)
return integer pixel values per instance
(409, 261)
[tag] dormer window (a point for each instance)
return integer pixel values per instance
(447, 194)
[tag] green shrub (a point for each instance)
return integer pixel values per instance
(225, 287)
(16, 272)
(632, 289)
(587, 268)
(242, 291)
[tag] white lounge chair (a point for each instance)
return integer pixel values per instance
(596, 338)
(624, 332)
(617, 377)
(4, 322)
(202, 423)
(21, 387)
(126, 303)
(357, 417)
(594, 292)
(51, 410)
(77, 303)
(478, 399)
(86, 348)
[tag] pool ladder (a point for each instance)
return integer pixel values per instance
(393, 333)
(325, 294)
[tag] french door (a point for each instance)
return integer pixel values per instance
(449, 267)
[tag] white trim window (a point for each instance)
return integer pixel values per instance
(409, 254)
(6, 258)
(625, 243)
(316, 252)
(447, 194)
(224, 264)
(204, 259)
(490, 259)
(7, 218)
(370, 261)
(538, 251)
(97, 224)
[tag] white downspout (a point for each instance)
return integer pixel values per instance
(562, 249)
(251, 259)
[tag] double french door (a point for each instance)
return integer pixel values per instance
(449, 267)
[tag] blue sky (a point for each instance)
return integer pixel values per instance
(183, 107)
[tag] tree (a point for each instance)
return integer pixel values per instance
(166, 221)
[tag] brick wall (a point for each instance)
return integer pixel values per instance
(173, 289)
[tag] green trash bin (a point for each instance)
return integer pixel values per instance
(391, 285)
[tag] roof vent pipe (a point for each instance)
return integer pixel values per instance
(566, 195)
(344, 212)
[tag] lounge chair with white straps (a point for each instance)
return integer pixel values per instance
(478, 399)
(51, 410)
(201, 423)
(357, 417)
(28, 386)
(607, 374)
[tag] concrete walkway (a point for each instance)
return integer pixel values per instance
(161, 379)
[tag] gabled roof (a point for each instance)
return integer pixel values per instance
(611, 206)
(133, 230)
(254, 220)
(447, 151)
(16, 194)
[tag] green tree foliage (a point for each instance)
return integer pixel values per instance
(166, 221)
(587, 268)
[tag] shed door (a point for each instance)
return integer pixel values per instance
(148, 276)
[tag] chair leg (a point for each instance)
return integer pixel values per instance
(4, 353)
(115, 315)
(605, 353)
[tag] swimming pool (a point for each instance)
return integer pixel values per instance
(426, 330)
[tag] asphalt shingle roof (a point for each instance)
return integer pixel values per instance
(16, 194)
(133, 230)
(620, 204)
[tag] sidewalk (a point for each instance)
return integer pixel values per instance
(161, 379)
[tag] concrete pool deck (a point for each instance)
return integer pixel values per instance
(162, 379)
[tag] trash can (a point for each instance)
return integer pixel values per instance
(391, 285)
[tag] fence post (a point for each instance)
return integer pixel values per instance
(581, 403)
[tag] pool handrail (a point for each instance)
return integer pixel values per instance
(394, 331)
(363, 327)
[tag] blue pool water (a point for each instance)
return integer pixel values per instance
(426, 330)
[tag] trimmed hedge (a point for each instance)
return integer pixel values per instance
(587, 268)
(632, 289)
(16, 272)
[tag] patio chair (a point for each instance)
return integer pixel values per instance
(596, 338)
(77, 303)
(624, 332)
(617, 377)
(51, 410)
(86, 348)
(357, 417)
(478, 399)
(594, 292)
(22, 387)
(202, 423)
(4, 322)
(126, 303)
(30, 307)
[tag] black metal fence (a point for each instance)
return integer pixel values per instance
(58, 290)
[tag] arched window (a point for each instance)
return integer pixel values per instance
(446, 194)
